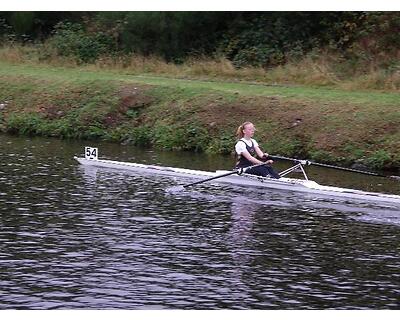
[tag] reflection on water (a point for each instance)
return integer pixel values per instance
(79, 237)
(367, 212)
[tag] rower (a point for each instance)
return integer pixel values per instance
(249, 153)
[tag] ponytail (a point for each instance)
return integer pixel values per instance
(239, 131)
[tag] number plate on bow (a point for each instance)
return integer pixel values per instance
(91, 153)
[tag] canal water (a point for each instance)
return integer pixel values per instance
(74, 237)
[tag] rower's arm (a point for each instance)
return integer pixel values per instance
(259, 152)
(263, 155)
(249, 157)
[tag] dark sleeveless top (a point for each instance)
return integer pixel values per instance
(242, 161)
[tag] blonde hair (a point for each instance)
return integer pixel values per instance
(239, 131)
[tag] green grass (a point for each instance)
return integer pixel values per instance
(180, 114)
(193, 87)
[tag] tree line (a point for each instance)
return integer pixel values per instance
(261, 39)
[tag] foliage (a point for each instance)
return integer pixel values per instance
(171, 35)
(37, 25)
(173, 137)
(26, 124)
(71, 39)
(378, 41)
(6, 31)
(268, 39)
(22, 22)
(322, 156)
(260, 39)
(223, 144)
(139, 136)
(379, 159)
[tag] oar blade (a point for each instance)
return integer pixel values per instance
(175, 189)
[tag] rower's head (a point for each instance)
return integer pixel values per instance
(245, 130)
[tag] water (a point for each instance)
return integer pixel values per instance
(78, 238)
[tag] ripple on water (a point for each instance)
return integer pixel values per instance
(94, 239)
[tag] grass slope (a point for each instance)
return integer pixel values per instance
(321, 123)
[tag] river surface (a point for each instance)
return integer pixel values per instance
(73, 237)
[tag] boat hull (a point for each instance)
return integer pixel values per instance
(296, 185)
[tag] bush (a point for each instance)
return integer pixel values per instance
(190, 137)
(379, 159)
(70, 39)
(25, 124)
(269, 39)
(140, 136)
(6, 31)
(322, 156)
(223, 145)
(169, 35)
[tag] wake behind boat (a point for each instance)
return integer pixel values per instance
(239, 178)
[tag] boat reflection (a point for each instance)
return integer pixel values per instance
(244, 207)
(240, 236)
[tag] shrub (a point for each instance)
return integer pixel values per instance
(142, 136)
(70, 39)
(189, 137)
(379, 159)
(223, 145)
(130, 134)
(321, 156)
(26, 124)
(6, 32)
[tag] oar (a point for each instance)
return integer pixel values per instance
(308, 162)
(237, 171)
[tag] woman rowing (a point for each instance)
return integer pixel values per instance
(248, 150)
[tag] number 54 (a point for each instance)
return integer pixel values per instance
(91, 153)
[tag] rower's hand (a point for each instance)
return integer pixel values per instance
(266, 160)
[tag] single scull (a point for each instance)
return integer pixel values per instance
(243, 179)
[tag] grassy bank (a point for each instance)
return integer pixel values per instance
(315, 69)
(322, 123)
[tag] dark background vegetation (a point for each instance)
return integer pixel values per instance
(263, 39)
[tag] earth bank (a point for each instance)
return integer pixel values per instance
(199, 119)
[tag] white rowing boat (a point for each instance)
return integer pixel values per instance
(284, 183)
